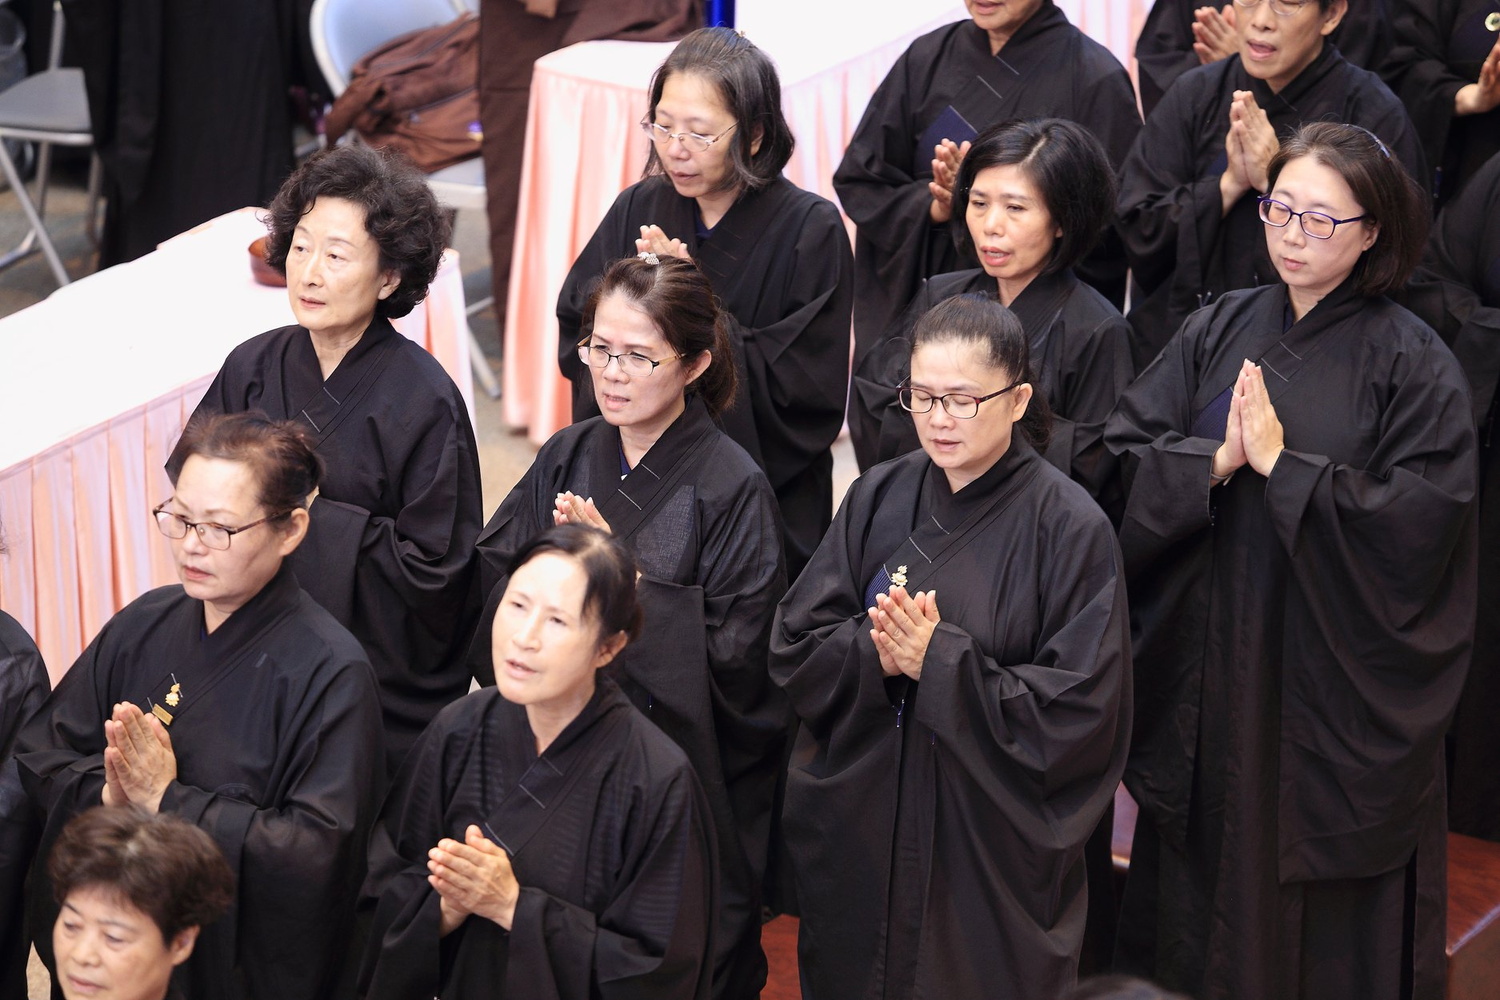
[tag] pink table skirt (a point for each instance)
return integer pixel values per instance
(96, 383)
(583, 147)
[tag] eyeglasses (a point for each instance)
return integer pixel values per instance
(693, 142)
(957, 404)
(215, 536)
(1314, 224)
(638, 365)
(1281, 8)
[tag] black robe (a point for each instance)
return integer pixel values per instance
(943, 80)
(1457, 292)
(388, 552)
(937, 828)
(780, 264)
(1164, 48)
(1300, 642)
(274, 737)
(1184, 252)
(23, 687)
(701, 520)
(1439, 47)
(1080, 351)
(190, 110)
(610, 840)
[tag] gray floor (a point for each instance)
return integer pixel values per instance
(504, 455)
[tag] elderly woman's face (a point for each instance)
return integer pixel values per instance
(107, 949)
(1002, 17)
(333, 274)
(691, 103)
(1276, 49)
(546, 648)
(224, 492)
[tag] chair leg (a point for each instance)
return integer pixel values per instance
(32, 216)
(482, 368)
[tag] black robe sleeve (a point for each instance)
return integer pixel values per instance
(1164, 49)
(640, 944)
(24, 683)
(1417, 70)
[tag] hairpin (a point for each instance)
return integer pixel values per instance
(649, 257)
(1379, 144)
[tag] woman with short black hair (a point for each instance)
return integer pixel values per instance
(1299, 532)
(777, 257)
(359, 236)
(958, 653)
(1031, 200)
(544, 839)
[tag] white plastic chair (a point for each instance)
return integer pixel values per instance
(343, 31)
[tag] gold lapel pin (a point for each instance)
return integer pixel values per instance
(174, 696)
(899, 577)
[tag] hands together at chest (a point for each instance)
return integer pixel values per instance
(901, 628)
(1252, 434)
(139, 762)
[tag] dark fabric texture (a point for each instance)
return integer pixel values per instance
(1457, 292)
(1439, 47)
(389, 549)
(882, 180)
(1301, 640)
(701, 520)
(779, 262)
(608, 835)
(948, 817)
(1080, 352)
(24, 685)
(274, 740)
(1164, 48)
(1184, 252)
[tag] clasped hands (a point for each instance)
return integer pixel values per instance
(946, 157)
(901, 626)
(654, 240)
(472, 877)
(1252, 434)
(1249, 146)
(139, 762)
(570, 508)
(1215, 35)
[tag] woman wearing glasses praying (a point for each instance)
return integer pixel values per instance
(958, 653)
(777, 257)
(1300, 537)
(236, 702)
(391, 532)
(656, 471)
(1187, 200)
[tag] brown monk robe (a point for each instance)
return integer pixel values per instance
(512, 38)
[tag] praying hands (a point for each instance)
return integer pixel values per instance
(946, 158)
(1252, 434)
(138, 761)
(1249, 146)
(654, 240)
(902, 627)
(1214, 34)
(473, 877)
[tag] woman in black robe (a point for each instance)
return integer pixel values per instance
(1182, 34)
(1024, 61)
(359, 237)
(23, 680)
(544, 840)
(1300, 538)
(1187, 208)
(1034, 197)
(700, 518)
(23, 688)
(237, 703)
(777, 256)
(959, 743)
(1456, 291)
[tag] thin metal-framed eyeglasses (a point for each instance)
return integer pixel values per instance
(693, 142)
(636, 365)
(1281, 8)
(215, 536)
(1315, 224)
(957, 404)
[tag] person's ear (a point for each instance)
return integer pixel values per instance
(610, 648)
(760, 135)
(1020, 401)
(1372, 233)
(389, 282)
(698, 366)
(1333, 16)
(293, 532)
(181, 946)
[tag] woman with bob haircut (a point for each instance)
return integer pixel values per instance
(1032, 198)
(359, 236)
(776, 256)
(133, 891)
(958, 653)
(544, 839)
(237, 703)
(1301, 470)
(700, 518)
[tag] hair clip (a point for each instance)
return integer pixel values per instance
(649, 257)
(1379, 144)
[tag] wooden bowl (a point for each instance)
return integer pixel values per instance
(262, 272)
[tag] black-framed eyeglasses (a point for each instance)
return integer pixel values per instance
(631, 363)
(215, 536)
(1281, 8)
(1315, 224)
(693, 142)
(956, 404)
